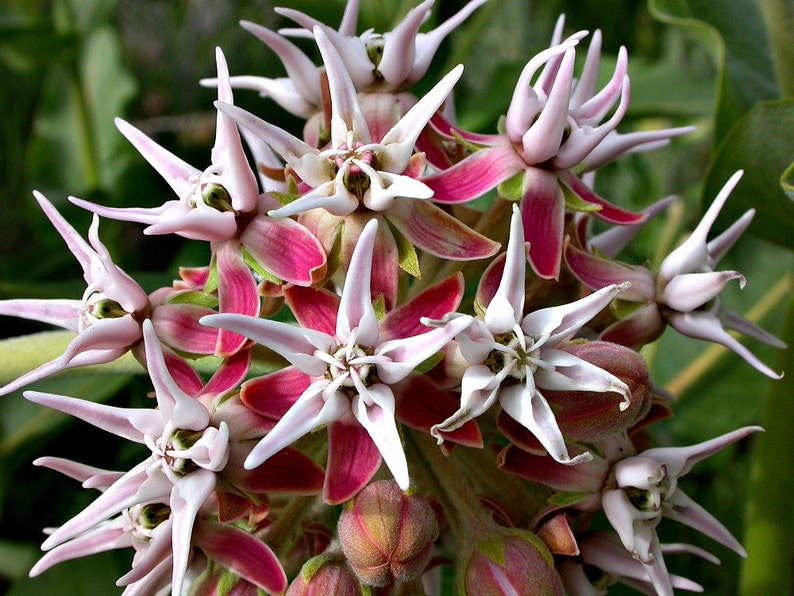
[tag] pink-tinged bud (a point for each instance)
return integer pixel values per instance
(510, 562)
(327, 574)
(387, 534)
(593, 415)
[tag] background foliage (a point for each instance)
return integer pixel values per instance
(68, 67)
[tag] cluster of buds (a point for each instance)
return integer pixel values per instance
(455, 429)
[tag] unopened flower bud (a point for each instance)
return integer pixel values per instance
(387, 534)
(327, 574)
(593, 415)
(510, 562)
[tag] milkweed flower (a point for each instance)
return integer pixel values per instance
(684, 293)
(513, 356)
(343, 376)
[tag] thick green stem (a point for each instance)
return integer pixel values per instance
(779, 20)
(770, 525)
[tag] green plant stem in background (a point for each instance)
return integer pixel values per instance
(770, 525)
(779, 19)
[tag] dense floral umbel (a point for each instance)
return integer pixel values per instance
(386, 396)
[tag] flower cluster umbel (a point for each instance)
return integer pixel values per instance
(474, 406)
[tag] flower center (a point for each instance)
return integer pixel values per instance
(348, 159)
(143, 519)
(98, 306)
(346, 362)
(513, 355)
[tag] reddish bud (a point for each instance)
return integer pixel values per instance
(327, 574)
(387, 534)
(510, 562)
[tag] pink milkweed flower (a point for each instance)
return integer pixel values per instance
(108, 318)
(684, 293)
(360, 176)
(387, 63)
(222, 205)
(514, 356)
(554, 130)
(346, 369)
(643, 489)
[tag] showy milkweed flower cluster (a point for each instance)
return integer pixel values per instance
(454, 427)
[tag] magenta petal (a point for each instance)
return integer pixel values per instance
(177, 325)
(436, 232)
(608, 211)
(313, 309)
(236, 293)
(642, 326)
(597, 273)
(421, 404)
(543, 216)
(286, 249)
(353, 460)
(480, 172)
(433, 303)
(274, 394)
(229, 374)
(243, 554)
(288, 471)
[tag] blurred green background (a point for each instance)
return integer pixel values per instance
(68, 67)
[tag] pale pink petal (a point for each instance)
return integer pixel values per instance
(399, 48)
(718, 246)
(506, 307)
(374, 409)
(616, 144)
(101, 539)
(62, 313)
(310, 411)
(241, 553)
(732, 320)
(153, 562)
(189, 495)
(89, 476)
(478, 392)
(353, 459)
(355, 307)
(543, 216)
(611, 242)
(687, 512)
(690, 291)
(237, 293)
(571, 373)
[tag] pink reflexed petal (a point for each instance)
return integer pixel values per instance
(287, 471)
(399, 49)
(475, 175)
(303, 158)
(135, 487)
(432, 303)
(608, 211)
(228, 375)
(179, 174)
(507, 305)
(274, 394)
(101, 539)
(313, 309)
(300, 69)
(183, 374)
(227, 153)
(542, 139)
(438, 233)
(353, 459)
(585, 477)
(175, 406)
(241, 553)
(374, 409)
(421, 404)
(689, 291)
(190, 493)
(427, 43)
(286, 249)
(534, 413)
(62, 313)
(705, 325)
(406, 354)
(692, 254)
(355, 307)
(642, 326)
(560, 323)
(178, 326)
(385, 276)
(310, 411)
(400, 140)
(237, 293)
(297, 345)
(543, 216)
(596, 273)
(346, 114)
(130, 424)
(687, 512)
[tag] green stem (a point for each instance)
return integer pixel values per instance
(86, 132)
(779, 19)
(770, 525)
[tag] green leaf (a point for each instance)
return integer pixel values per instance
(787, 181)
(762, 144)
(734, 32)
(566, 499)
(79, 577)
(16, 559)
